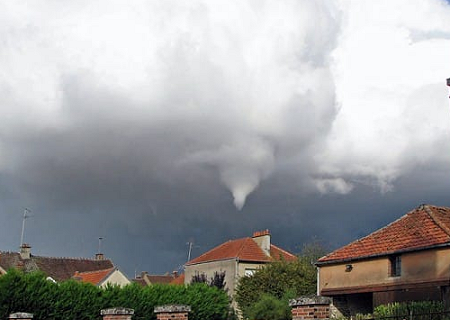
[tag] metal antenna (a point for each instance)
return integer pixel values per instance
(99, 244)
(190, 243)
(25, 216)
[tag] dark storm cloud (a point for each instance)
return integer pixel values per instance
(171, 122)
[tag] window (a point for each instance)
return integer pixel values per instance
(249, 272)
(395, 268)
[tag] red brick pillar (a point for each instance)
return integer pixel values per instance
(172, 312)
(310, 308)
(117, 314)
(21, 316)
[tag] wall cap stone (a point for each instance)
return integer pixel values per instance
(117, 311)
(21, 315)
(170, 308)
(308, 300)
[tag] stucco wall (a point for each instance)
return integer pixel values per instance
(229, 266)
(116, 278)
(423, 266)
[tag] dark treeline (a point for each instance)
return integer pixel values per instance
(73, 300)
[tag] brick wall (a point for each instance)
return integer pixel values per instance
(117, 314)
(172, 312)
(310, 308)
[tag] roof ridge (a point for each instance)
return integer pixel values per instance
(213, 248)
(243, 245)
(95, 271)
(435, 219)
(284, 251)
(71, 258)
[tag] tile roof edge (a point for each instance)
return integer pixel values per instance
(70, 258)
(284, 251)
(324, 258)
(212, 260)
(430, 212)
(379, 255)
(96, 271)
(214, 248)
(106, 276)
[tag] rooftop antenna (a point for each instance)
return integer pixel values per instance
(26, 215)
(190, 243)
(100, 244)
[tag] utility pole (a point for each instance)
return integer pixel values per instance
(25, 216)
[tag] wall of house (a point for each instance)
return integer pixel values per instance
(208, 268)
(117, 278)
(245, 268)
(421, 266)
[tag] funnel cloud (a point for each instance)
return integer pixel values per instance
(160, 121)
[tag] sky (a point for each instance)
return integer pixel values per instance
(153, 124)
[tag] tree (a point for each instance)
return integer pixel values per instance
(279, 278)
(217, 280)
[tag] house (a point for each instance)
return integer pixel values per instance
(56, 269)
(407, 260)
(102, 278)
(237, 258)
(145, 279)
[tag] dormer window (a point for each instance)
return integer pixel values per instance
(395, 266)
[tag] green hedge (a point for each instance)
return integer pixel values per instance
(73, 300)
(402, 309)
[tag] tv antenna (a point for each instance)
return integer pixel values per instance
(26, 215)
(190, 243)
(100, 244)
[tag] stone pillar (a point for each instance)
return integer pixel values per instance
(172, 312)
(315, 307)
(21, 316)
(117, 314)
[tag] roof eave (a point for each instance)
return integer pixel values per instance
(379, 255)
(208, 261)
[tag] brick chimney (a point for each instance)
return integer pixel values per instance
(262, 239)
(99, 256)
(25, 251)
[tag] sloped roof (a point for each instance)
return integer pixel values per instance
(94, 277)
(426, 226)
(160, 279)
(178, 280)
(59, 269)
(245, 249)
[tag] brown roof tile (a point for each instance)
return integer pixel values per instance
(424, 227)
(159, 279)
(178, 280)
(245, 249)
(94, 277)
(59, 269)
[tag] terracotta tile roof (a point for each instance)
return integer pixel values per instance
(59, 269)
(94, 277)
(178, 280)
(245, 249)
(424, 227)
(140, 281)
(160, 279)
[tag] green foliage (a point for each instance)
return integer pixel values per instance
(279, 278)
(271, 308)
(404, 309)
(218, 280)
(72, 300)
